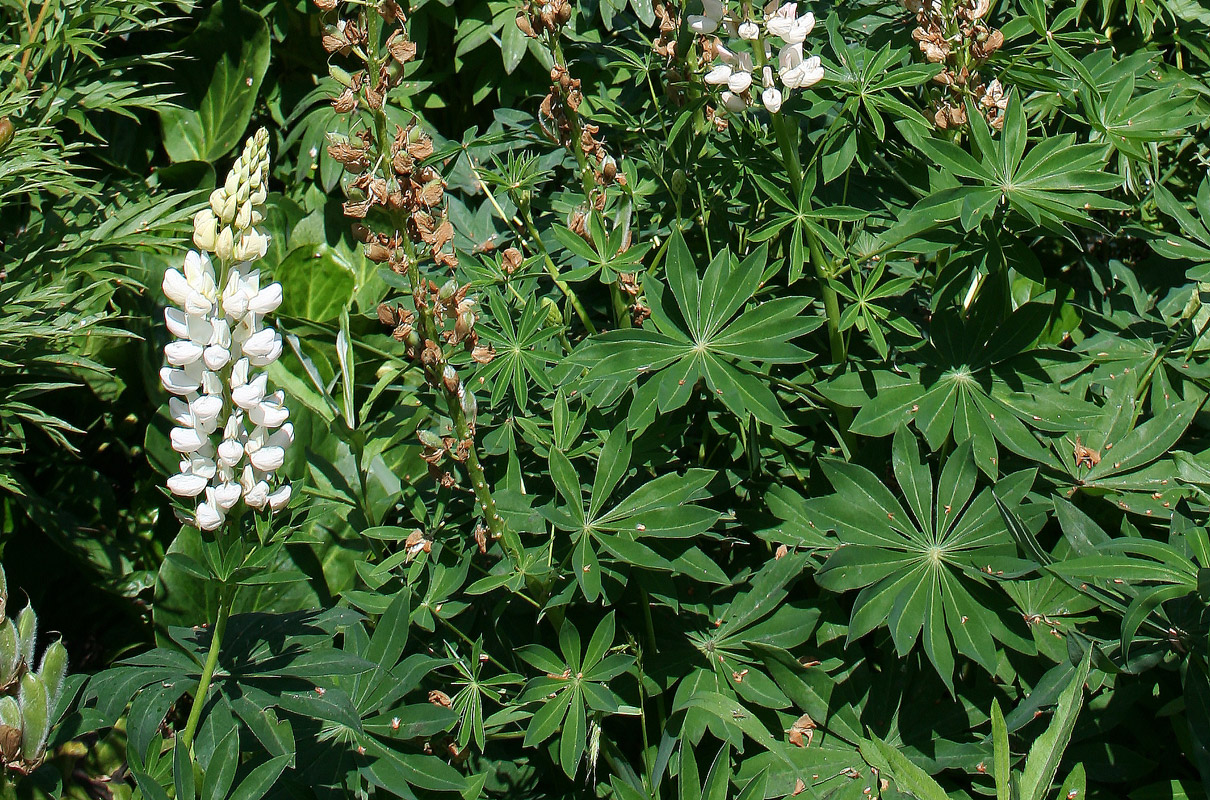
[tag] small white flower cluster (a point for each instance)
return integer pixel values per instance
(222, 343)
(794, 71)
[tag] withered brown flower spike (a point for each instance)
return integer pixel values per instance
(955, 34)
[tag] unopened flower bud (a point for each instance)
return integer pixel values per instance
(224, 246)
(6, 132)
(449, 377)
(205, 230)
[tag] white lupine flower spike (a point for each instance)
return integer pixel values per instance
(231, 429)
(735, 74)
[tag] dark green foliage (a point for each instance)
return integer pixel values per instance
(832, 453)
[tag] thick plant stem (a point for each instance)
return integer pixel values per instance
(226, 596)
(553, 271)
(831, 302)
(587, 180)
(483, 493)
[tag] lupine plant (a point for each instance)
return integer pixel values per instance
(627, 399)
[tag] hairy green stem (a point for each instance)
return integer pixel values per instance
(226, 597)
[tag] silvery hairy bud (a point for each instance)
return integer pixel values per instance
(448, 290)
(10, 728)
(10, 652)
(53, 670)
(27, 635)
(35, 716)
(449, 377)
(464, 325)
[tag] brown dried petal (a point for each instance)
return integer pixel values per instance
(421, 149)
(440, 698)
(443, 235)
(402, 50)
(512, 259)
(431, 193)
(804, 726)
(346, 102)
(386, 315)
(390, 11)
(325, 5)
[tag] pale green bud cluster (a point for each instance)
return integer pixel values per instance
(227, 227)
(27, 697)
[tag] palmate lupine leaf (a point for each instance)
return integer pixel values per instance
(920, 571)
(981, 378)
(1051, 185)
(698, 337)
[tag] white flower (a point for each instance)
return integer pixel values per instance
(252, 245)
(264, 347)
(218, 319)
(749, 30)
(266, 300)
(715, 9)
(702, 25)
(801, 28)
(795, 71)
(739, 82)
(718, 76)
(733, 102)
(187, 484)
(268, 459)
(182, 352)
(209, 516)
(781, 21)
(258, 495)
(279, 498)
(250, 394)
(771, 97)
(227, 495)
(178, 381)
(205, 229)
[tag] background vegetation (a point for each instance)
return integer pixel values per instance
(853, 450)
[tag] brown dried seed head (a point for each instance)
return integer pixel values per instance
(432, 193)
